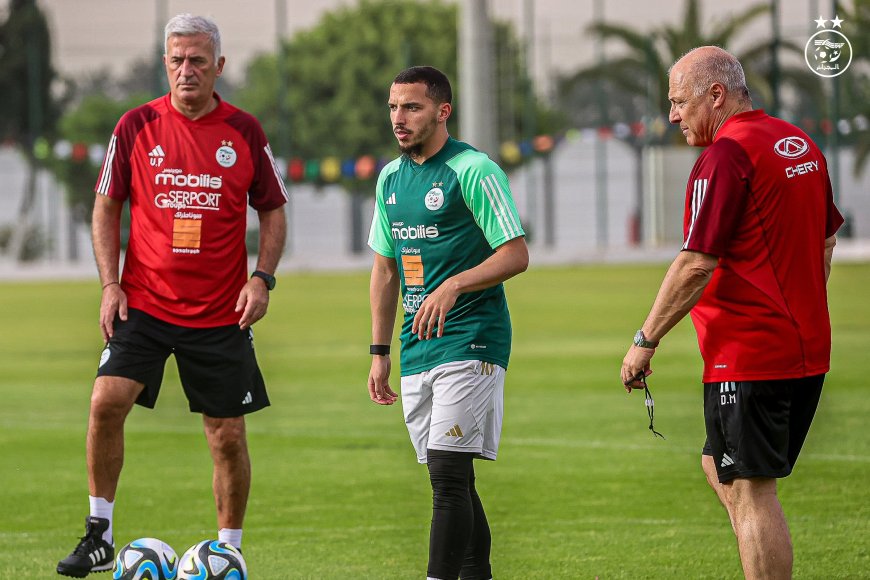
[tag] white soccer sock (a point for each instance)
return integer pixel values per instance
(231, 536)
(100, 508)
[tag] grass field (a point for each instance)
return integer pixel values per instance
(581, 488)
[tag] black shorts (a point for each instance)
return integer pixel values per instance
(757, 428)
(217, 366)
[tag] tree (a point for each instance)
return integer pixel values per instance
(339, 72)
(337, 77)
(28, 111)
(855, 84)
(90, 123)
(632, 88)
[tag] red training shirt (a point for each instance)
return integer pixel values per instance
(760, 199)
(189, 184)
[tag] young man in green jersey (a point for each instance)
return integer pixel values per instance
(446, 232)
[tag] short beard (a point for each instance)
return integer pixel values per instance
(412, 151)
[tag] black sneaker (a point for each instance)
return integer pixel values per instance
(93, 554)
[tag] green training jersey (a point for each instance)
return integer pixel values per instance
(437, 219)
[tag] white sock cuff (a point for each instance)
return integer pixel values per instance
(101, 508)
(232, 536)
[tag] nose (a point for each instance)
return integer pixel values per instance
(674, 116)
(186, 68)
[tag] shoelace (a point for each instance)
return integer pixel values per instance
(87, 544)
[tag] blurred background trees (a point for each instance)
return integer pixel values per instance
(29, 110)
(321, 93)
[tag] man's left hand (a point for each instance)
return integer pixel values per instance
(433, 311)
(252, 303)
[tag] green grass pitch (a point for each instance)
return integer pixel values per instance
(581, 488)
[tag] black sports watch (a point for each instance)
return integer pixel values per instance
(641, 341)
(267, 278)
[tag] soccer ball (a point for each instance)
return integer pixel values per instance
(212, 560)
(146, 559)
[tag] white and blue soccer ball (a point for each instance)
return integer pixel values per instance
(212, 560)
(146, 559)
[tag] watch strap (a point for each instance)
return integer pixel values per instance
(267, 278)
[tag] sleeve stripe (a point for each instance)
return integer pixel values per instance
(699, 190)
(496, 206)
(500, 206)
(106, 174)
(278, 176)
(513, 218)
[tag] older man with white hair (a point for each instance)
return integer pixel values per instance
(189, 164)
(759, 232)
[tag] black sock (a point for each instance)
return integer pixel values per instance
(452, 512)
(476, 565)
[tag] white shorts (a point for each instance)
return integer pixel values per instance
(457, 406)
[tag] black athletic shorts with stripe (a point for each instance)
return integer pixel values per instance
(217, 366)
(757, 428)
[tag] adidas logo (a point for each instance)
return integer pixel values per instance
(392, 199)
(455, 431)
(248, 399)
(726, 461)
(97, 555)
(156, 155)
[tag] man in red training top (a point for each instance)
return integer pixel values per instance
(189, 164)
(759, 233)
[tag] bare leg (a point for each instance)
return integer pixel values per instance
(762, 532)
(111, 401)
(722, 489)
(232, 468)
(758, 522)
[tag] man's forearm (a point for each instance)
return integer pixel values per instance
(681, 289)
(273, 235)
(106, 238)
(383, 297)
(509, 259)
(829, 255)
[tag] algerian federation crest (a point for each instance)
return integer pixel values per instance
(434, 198)
(828, 53)
(226, 156)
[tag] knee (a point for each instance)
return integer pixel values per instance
(226, 437)
(449, 473)
(111, 401)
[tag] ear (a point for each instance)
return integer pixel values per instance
(718, 92)
(220, 65)
(444, 110)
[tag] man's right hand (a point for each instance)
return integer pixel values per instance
(114, 301)
(379, 381)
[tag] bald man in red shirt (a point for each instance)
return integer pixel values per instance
(759, 233)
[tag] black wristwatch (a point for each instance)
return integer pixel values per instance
(641, 341)
(267, 278)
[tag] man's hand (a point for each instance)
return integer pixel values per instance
(433, 311)
(636, 365)
(252, 303)
(114, 301)
(379, 381)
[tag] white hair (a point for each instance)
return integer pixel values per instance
(716, 66)
(189, 25)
